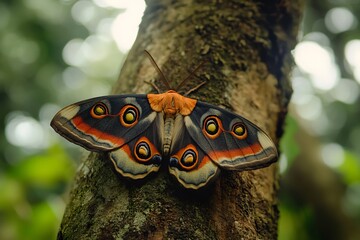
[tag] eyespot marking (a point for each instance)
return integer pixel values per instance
(129, 115)
(145, 152)
(239, 131)
(186, 159)
(212, 127)
(99, 110)
(142, 151)
(189, 159)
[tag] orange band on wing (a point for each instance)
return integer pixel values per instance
(97, 134)
(204, 161)
(236, 153)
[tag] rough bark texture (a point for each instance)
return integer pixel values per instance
(246, 49)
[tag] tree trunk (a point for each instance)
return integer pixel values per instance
(245, 47)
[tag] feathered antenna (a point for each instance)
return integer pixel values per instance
(162, 76)
(167, 83)
(191, 74)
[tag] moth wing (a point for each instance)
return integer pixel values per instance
(190, 165)
(78, 124)
(238, 145)
(100, 124)
(139, 157)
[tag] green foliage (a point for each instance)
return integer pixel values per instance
(288, 144)
(349, 169)
(296, 222)
(35, 80)
(30, 205)
(44, 170)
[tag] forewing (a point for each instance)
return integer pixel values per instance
(78, 124)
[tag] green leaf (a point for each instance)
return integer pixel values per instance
(350, 168)
(288, 145)
(46, 169)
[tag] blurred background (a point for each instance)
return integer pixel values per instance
(53, 53)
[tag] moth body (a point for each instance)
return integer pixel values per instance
(168, 135)
(173, 107)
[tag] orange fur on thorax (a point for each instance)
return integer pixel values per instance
(171, 103)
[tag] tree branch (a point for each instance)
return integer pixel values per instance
(246, 46)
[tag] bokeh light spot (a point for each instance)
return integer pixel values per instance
(73, 77)
(346, 91)
(318, 62)
(24, 131)
(72, 52)
(125, 26)
(352, 56)
(83, 11)
(332, 154)
(283, 163)
(352, 52)
(340, 20)
(310, 107)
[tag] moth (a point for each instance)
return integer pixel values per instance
(142, 132)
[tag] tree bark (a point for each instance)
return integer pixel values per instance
(246, 49)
